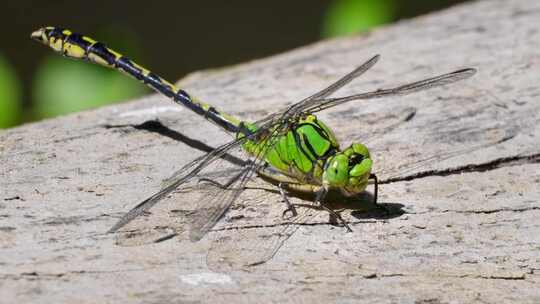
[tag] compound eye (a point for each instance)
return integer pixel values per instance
(355, 159)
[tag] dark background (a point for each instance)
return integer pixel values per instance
(174, 37)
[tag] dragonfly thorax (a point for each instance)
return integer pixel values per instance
(298, 149)
(308, 151)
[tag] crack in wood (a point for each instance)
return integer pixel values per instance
(493, 210)
(35, 275)
(488, 166)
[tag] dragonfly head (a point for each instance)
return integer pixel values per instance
(349, 170)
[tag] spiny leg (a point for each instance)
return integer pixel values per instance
(290, 206)
(376, 188)
(284, 182)
(376, 194)
(294, 185)
(319, 203)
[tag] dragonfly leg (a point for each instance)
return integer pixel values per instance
(290, 206)
(376, 187)
(376, 194)
(286, 182)
(319, 203)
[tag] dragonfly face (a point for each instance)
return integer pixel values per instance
(348, 170)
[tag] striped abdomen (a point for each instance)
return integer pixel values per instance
(81, 47)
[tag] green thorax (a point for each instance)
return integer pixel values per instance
(300, 150)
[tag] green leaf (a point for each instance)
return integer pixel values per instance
(345, 17)
(63, 86)
(10, 95)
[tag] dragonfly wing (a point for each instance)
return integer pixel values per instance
(225, 189)
(319, 101)
(253, 244)
(219, 193)
(343, 81)
(183, 176)
(206, 187)
(179, 174)
(321, 104)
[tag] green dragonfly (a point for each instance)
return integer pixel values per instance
(291, 148)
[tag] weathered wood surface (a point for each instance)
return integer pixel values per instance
(461, 166)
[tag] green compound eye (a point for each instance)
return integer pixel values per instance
(361, 169)
(349, 168)
(360, 149)
(337, 173)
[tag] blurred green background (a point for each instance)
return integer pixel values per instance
(170, 37)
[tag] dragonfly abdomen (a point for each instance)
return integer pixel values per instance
(81, 47)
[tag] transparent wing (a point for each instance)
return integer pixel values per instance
(184, 176)
(260, 234)
(189, 204)
(334, 87)
(319, 101)
(343, 81)
(217, 194)
(204, 188)
(321, 104)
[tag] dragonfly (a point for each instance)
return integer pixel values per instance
(290, 148)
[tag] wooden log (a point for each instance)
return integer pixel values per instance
(459, 169)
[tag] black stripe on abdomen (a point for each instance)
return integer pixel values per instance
(100, 50)
(78, 39)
